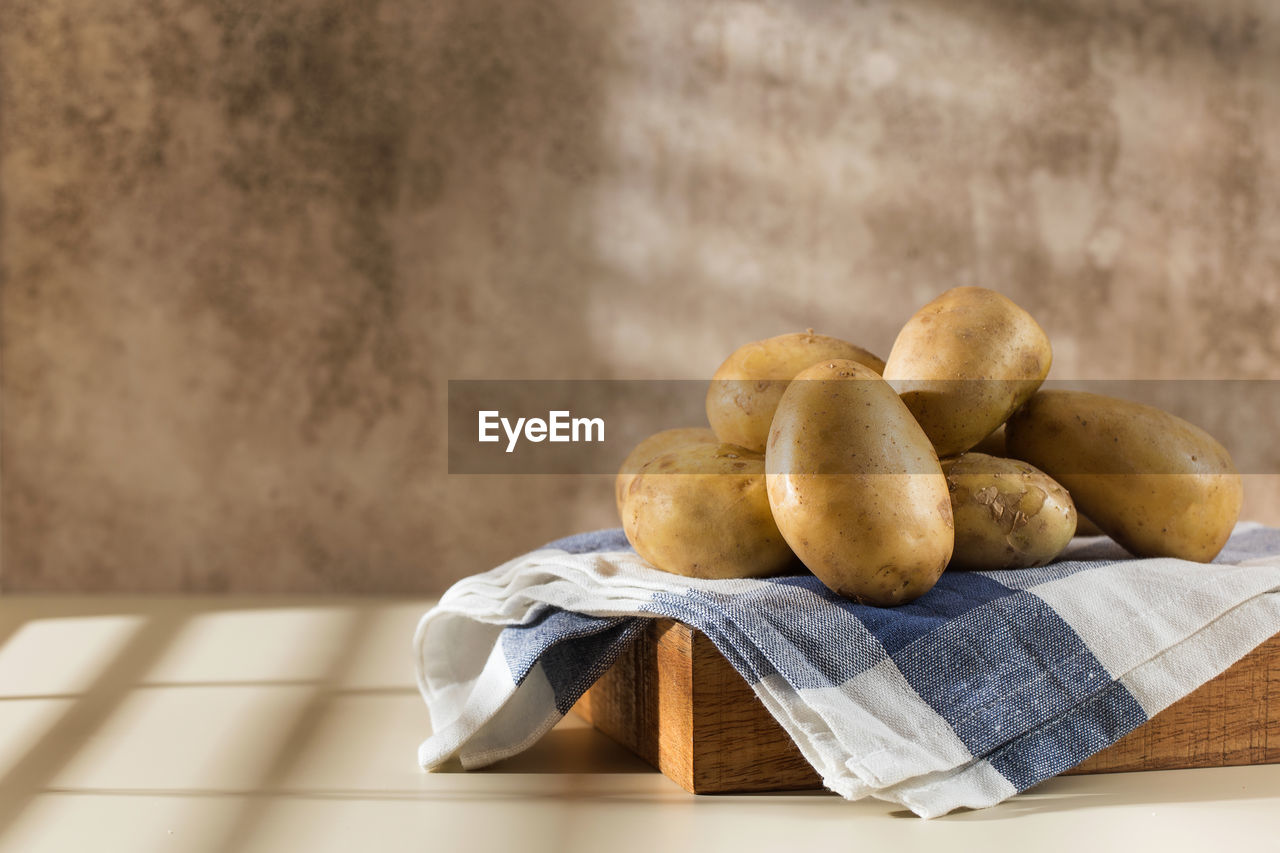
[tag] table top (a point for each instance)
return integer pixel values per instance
(270, 724)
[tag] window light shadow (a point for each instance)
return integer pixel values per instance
(39, 765)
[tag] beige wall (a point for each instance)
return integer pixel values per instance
(246, 244)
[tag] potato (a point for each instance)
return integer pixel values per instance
(1156, 484)
(993, 445)
(701, 511)
(855, 486)
(1008, 514)
(746, 389)
(656, 445)
(964, 362)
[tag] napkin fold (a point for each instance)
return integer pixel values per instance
(983, 687)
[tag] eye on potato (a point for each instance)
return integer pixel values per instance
(1153, 482)
(964, 362)
(656, 445)
(701, 511)
(1008, 514)
(855, 486)
(747, 387)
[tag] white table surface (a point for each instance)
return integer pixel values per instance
(288, 724)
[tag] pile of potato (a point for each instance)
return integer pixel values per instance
(878, 475)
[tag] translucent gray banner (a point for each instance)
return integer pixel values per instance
(587, 427)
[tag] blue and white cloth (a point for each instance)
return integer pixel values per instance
(985, 686)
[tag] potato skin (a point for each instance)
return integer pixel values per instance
(1156, 484)
(855, 486)
(746, 388)
(656, 445)
(1008, 514)
(967, 334)
(701, 511)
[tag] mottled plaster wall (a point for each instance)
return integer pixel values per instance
(245, 244)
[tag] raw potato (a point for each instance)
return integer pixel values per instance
(855, 486)
(701, 511)
(1008, 514)
(994, 445)
(656, 445)
(964, 362)
(746, 389)
(1156, 484)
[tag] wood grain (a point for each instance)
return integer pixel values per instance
(675, 701)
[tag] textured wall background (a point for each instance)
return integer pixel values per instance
(245, 244)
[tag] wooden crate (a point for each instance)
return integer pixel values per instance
(675, 701)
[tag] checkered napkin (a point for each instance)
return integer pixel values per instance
(985, 686)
